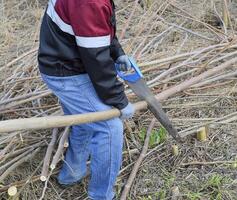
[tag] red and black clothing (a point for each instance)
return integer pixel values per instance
(78, 36)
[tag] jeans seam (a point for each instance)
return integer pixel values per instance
(78, 84)
(90, 103)
(110, 156)
(110, 143)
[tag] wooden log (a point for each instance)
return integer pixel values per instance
(59, 151)
(63, 121)
(48, 155)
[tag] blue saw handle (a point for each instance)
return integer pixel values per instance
(127, 76)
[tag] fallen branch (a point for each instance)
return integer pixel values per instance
(19, 58)
(21, 183)
(6, 149)
(17, 103)
(22, 97)
(18, 163)
(128, 21)
(193, 129)
(60, 148)
(20, 151)
(48, 155)
(45, 186)
(138, 163)
(209, 163)
(14, 160)
(69, 120)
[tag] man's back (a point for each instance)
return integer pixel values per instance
(77, 37)
(68, 24)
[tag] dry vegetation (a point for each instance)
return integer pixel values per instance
(173, 41)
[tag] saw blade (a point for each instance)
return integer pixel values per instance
(144, 93)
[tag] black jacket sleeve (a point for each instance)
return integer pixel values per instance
(100, 67)
(116, 49)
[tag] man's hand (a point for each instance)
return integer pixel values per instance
(127, 112)
(124, 63)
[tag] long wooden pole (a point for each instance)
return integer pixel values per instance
(60, 121)
(63, 121)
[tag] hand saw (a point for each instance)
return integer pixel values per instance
(135, 81)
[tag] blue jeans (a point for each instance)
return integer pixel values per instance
(102, 140)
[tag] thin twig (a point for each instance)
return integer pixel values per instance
(139, 161)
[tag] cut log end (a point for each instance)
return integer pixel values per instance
(175, 150)
(52, 167)
(234, 165)
(12, 191)
(43, 178)
(202, 134)
(66, 145)
(175, 193)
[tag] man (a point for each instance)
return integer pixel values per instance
(78, 49)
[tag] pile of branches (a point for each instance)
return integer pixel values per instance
(181, 55)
